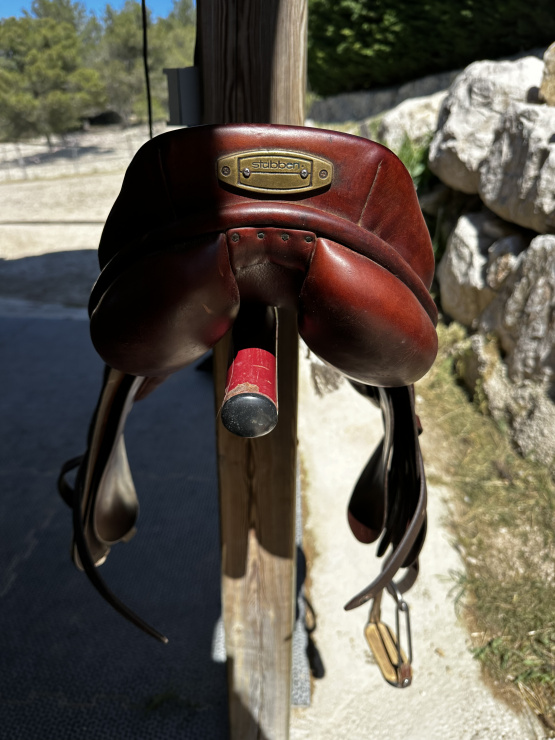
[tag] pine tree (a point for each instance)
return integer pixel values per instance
(44, 89)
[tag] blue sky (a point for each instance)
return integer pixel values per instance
(16, 7)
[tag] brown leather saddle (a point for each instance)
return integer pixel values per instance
(215, 222)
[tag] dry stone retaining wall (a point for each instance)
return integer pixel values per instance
(496, 138)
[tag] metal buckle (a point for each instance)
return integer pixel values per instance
(386, 646)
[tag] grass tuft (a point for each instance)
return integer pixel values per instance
(503, 521)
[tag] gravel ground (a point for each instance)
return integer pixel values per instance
(49, 231)
(98, 150)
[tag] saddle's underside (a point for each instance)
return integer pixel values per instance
(214, 219)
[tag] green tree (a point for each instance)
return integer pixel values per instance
(177, 34)
(182, 13)
(61, 11)
(121, 60)
(44, 89)
(89, 29)
(59, 64)
(170, 44)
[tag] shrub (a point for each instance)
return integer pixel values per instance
(356, 45)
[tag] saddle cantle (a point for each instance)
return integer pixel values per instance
(217, 217)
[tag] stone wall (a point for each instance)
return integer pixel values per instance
(356, 106)
(492, 133)
(495, 142)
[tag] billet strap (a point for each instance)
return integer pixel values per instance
(402, 491)
(65, 489)
(92, 572)
(390, 498)
(104, 448)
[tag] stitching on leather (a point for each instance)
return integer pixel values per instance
(370, 192)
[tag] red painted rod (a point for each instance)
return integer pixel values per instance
(250, 405)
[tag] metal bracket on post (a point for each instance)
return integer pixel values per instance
(184, 96)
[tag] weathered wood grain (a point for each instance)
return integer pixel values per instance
(257, 508)
(253, 64)
(252, 55)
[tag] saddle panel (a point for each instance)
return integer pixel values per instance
(362, 320)
(167, 309)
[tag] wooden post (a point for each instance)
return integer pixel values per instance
(252, 56)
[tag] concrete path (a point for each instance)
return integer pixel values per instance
(448, 699)
(71, 668)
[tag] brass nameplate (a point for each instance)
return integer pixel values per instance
(275, 172)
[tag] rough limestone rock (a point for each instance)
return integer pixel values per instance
(503, 259)
(522, 315)
(481, 254)
(524, 409)
(355, 106)
(481, 369)
(547, 87)
(414, 119)
(517, 180)
(532, 423)
(469, 116)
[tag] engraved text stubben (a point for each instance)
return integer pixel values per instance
(273, 164)
(274, 171)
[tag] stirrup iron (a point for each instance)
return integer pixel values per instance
(393, 662)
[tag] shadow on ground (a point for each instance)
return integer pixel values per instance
(63, 278)
(69, 152)
(71, 667)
